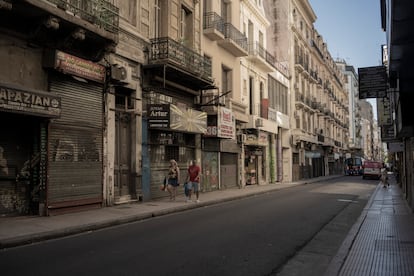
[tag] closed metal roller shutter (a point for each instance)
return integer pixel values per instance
(75, 145)
(228, 169)
(81, 102)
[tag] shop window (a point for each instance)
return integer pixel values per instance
(171, 145)
(295, 158)
(172, 152)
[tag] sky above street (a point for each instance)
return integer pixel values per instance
(352, 30)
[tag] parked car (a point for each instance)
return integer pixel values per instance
(372, 169)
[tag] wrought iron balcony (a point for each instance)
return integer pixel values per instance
(101, 13)
(85, 28)
(226, 35)
(213, 26)
(182, 64)
(261, 57)
(167, 50)
(234, 41)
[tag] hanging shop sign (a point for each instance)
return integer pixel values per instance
(257, 139)
(189, 120)
(372, 82)
(158, 115)
(76, 66)
(17, 100)
(169, 116)
(384, 112)
(312, 154)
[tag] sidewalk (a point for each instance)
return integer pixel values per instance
(382, 240)
(15, 231)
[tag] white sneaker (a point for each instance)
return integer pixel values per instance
(188, 200)
(197, 201)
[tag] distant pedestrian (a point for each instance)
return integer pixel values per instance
(384, 178)
(173, 179)
(193, 180)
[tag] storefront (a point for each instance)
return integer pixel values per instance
(75, 163)
(24, 116)
(174, 132)
(220, 151)
(255, 156)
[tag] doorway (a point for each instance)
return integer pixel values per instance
(122, 173)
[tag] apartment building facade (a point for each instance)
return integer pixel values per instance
(246, 88)
(174, 78)
(354, 120)
(224, 42)
(52, 92)
(124, 105)
(263, 86)
(318, 100)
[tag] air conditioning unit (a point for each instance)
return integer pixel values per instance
(259, 122)
(121, 74)
(241, 138)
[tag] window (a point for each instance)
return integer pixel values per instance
(225, 8)
(157, 18)
(278, 95)
(128, 10)
(226, 80)
(295, 158)
(251, 95)
(186, 26)
(263, 109)
(167, 145)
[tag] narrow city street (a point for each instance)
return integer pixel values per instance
(260, 235)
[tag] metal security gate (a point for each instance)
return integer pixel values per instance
(228, 170)
(75, 146)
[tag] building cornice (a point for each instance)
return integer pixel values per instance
(260, 14)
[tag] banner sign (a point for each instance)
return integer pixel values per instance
(79, 67)
(226, 124)
(189, 120)
(17, 100)
(169, 116)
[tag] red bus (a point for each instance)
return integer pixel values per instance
(353, 166)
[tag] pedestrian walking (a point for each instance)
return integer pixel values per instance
(384, 178)
(193, 180)
(173, 179)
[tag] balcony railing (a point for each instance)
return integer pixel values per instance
(98, 12)
(234, 34)
(265, 60)
(165, 49)
(213, 21)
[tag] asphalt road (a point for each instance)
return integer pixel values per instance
(274, 233)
